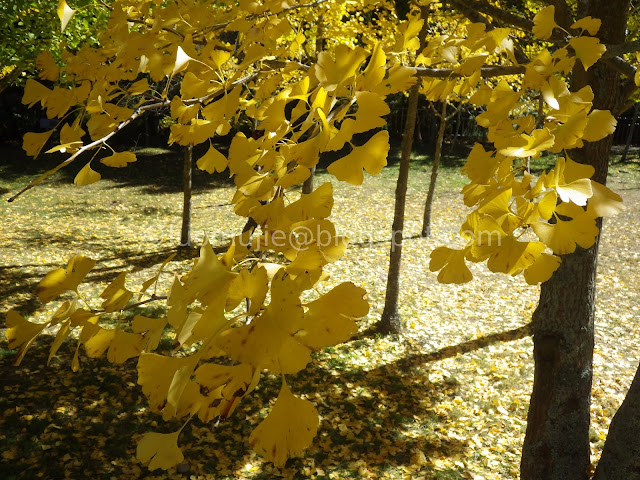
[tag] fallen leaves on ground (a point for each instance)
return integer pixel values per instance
(432, 404)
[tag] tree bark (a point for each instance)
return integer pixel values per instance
(185, 235)
(390, 322)
(556, 445)
(621, 453)
(307, 186)
(426, 221)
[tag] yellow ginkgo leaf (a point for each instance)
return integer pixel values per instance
(288, 429)
(47, 66)
(544, 22)
(334, 73)
(591, 25)
(35, 92)
(398, 79)
(32, 142)
(60, 280)
(450, 262)
(578, 191)
(212, 161)
(199, 131)
(21, 333)
(563, 235)
(371, 107)
(96, 340)
(603, 202)
(65, 12)
(86, 176)
(269, 340)
(331, 319)
(119, 159)
(61, 336)
(181, 60)
(539, 140)
(571, 181)
(471, 64)
(116, 295)
(513, 256)
(155, 374)
(372, 156)
(317, 204)
(160, 450)
(600, 124)
(209, 279)
(183, 113)
(150, 328)
(587, 49)
(252, 285)
(542, 269)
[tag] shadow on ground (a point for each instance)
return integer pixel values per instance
(57, 424)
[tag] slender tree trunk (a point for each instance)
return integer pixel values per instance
(556, 445)
(390, 322)
(621, 453)
(632, 130)
(185, 235)
(426, 222)
(307, 186)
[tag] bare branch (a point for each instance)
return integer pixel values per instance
(134, 115)
(485, 72)
(621, 49)
(299, 6)
(500, 15)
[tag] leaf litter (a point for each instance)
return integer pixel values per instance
(445, 400)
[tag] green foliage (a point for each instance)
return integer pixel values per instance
(29, 27)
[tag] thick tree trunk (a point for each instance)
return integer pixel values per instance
(556, 445)
(185, 235)
(557, 439)
(621, 454)
(426, 221)
(390, 322)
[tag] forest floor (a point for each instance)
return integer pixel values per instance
(446, 400)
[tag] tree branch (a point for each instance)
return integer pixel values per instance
(139, 111)
(485, 72)
(498, 14)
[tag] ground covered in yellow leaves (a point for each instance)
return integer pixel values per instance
(446, 400)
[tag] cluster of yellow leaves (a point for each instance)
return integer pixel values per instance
(278, 336)
(248, 58)
(228, 60)
(522, 224)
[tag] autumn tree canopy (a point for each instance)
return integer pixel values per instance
(206, 64)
